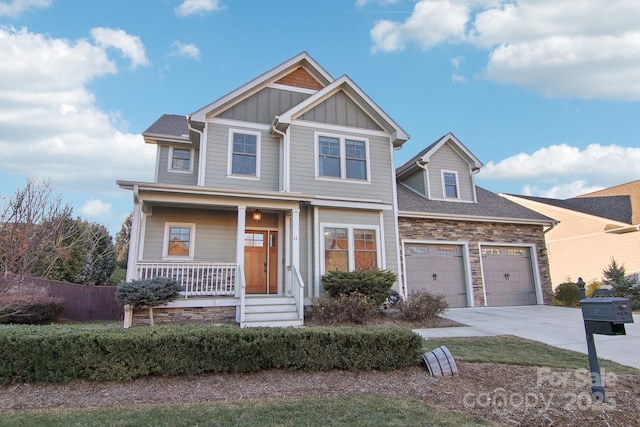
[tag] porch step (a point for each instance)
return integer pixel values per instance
(271, 312)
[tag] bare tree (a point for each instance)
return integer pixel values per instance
(34, 230)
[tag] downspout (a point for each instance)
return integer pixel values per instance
(285, 155)
(203, 152)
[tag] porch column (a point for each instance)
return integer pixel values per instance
(242, 216)
(132, 258)
(295, 246)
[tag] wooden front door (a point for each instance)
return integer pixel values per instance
(261, 262)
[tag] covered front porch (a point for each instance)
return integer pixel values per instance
(224, 251)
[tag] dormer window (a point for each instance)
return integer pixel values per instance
(450, 184)
(180, 160)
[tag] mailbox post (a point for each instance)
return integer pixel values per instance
(605, 316)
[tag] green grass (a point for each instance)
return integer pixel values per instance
(344, 410)
(518, 351)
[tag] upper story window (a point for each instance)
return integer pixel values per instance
(179, 240)
(450, 184)
(244, 153)
(342, 158)
(180, 160)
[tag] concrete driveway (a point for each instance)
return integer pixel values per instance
(557, 326)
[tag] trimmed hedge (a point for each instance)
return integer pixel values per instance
(63, 353)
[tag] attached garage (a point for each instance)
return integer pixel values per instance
(438, 269)
(508, 276)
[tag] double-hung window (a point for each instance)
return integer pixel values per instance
(179, 239)
(348, 248)
(342, 158)
(180, 160)
(244, 153)
(450, 184)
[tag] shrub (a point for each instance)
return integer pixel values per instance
(375, 284)
(591, 288)
(622, 285)
(29, 308)
(422, 306)
(61, 353)
(355, 308)
(147, 293)
(567, 294)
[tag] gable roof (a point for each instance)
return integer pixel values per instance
(424, 156)
(630, 189)
(301, 60)
(616, 208)
(168, 127)
(489, 208)
(346, 85)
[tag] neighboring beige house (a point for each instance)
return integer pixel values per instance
(592, 230)
(462, 241)
(261, 192)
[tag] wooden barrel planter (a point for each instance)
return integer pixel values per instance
(440, 362)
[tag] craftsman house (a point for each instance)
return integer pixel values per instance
(464, 242)
(592, 229)
(261, 192)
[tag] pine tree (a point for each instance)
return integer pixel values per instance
(622, 285)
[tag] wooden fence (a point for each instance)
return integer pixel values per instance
(82, 303)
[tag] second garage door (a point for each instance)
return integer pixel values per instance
(438, 269)
(508, 277)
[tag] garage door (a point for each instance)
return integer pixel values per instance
(437, 269)
(508, 277)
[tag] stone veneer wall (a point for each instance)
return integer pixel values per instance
(475, 232)
(201, 315)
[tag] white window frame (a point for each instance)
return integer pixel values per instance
(192, 241)
(351, 254)
(258, 136)
(343, 157)
(444, 185)
(170, 167)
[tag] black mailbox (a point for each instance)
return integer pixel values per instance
(606, 316)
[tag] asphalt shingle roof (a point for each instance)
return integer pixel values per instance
(489, 205)
(169, 125)
(617, 208)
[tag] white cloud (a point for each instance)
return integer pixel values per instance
(595, 167)
(185, 50)
(563, 48)
(16, 7)
(95, 208)
(51, 127)
(130, 46)
(198, 7)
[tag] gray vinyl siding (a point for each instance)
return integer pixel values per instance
(415, 181)
(447, 159)
(305, 248)
(340, 110)
(217, 159)
(178, 178)
(263, 106)
(215, 235)
(303, 167)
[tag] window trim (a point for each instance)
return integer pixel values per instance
(170, 167)
(351, 260)
(192, 241)
(258, 136)
(444, 185)
(343, 157)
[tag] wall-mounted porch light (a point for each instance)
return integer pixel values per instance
(257, 215)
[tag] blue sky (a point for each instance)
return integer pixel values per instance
(546, 93)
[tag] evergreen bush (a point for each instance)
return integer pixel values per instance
(374, 284)
(567, 294)
(147, 293)
(622, 285)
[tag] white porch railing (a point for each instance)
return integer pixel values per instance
(196, 278)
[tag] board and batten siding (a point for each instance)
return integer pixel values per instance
(215, 233)
(447, 159)
(340, 110)
(303, 168)
(218, 157)
(263, 106)
(165, 176)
